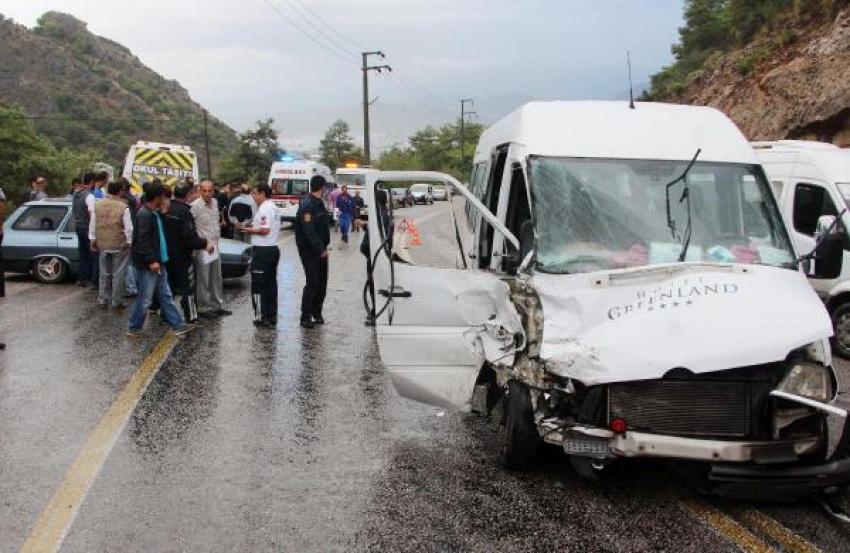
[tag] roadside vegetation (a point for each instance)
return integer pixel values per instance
(24, 151)
(756, 29)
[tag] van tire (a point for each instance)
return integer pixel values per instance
(520, 442)
(841, 324)
(49, 270)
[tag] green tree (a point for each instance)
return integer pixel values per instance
(337, 147)
(252, 160)
(23, 152)
(432, 149)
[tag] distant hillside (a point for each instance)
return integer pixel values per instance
(91, 92)
(778, 68)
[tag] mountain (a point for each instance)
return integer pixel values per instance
(787, 75)
(86, 91)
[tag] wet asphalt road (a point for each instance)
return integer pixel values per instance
(293, 440)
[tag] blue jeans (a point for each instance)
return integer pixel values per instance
(344, 222)
(150, 283)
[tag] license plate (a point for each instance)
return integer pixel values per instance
(586, 447)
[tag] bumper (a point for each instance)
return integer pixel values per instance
(769, 471)
(233, 270)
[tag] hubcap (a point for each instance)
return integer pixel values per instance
(49, 268)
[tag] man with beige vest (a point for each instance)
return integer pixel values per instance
(208, 267)
(111, 234)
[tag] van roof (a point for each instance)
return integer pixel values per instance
(832, 162)
(162, 145)
(599, 129)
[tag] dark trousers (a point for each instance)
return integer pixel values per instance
(181, 280)
(264, 261)
(86, 271)
(316, 274)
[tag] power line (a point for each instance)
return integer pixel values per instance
(324, 22)
(305, 33)
(422, 100)
(319, 30)
(413, 89)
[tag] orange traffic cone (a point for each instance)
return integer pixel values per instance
(416, 241)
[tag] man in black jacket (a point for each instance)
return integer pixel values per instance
(312, 236)
(150, 256)
(183, 239)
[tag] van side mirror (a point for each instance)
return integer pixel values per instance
(829, 253)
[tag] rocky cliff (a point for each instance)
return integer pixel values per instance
(788, 83)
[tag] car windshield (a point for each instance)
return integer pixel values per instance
(419, 188)
(602, 214)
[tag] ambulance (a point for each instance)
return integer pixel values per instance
(170, 163)
(289, 180)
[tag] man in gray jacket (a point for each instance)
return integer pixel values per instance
(208, 264)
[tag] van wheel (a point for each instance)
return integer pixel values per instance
(841, 324)
(49, 270)
(520, 440)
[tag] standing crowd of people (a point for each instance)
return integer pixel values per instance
(162, 248)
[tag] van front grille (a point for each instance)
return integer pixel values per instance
(683, 407)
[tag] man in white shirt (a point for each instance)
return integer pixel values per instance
(264, 231)
(210, 290)
(111, 234)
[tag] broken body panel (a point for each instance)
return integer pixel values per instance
(625, 350)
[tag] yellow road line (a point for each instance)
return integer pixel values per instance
(788, 539)
(727, 527)
(56, 519)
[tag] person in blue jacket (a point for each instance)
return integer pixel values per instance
(347, 206)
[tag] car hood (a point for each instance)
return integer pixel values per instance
(639, 324)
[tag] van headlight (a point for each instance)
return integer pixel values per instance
(809, 380)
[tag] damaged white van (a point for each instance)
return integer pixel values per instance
(617, 282)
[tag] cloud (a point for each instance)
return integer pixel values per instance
(244, 61)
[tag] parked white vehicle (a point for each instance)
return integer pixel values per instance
(622, 285)
(289, 180)
(422, 193)
(810, 180)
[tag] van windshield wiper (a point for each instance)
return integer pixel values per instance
(686, 195)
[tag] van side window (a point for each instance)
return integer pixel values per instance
(810, 202)
(491, 202)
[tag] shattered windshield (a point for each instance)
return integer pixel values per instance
(602, 214)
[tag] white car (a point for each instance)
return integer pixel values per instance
(422, 193)
(438, 193)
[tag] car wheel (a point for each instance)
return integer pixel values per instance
(520, 440)
(49, 270)
(841, 323)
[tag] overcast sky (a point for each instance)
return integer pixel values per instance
(243, 60)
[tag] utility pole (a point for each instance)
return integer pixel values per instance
(463, 114)
(365, 68)
(207, 146)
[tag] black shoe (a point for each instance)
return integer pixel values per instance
(270, 323)
(207, 314)
(307, 323)
(318, 319)
(260, 324)
(222, 312)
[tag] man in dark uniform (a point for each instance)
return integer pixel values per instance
(182, 238)
(312, 236)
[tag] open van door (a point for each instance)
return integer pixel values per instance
(438, 318)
